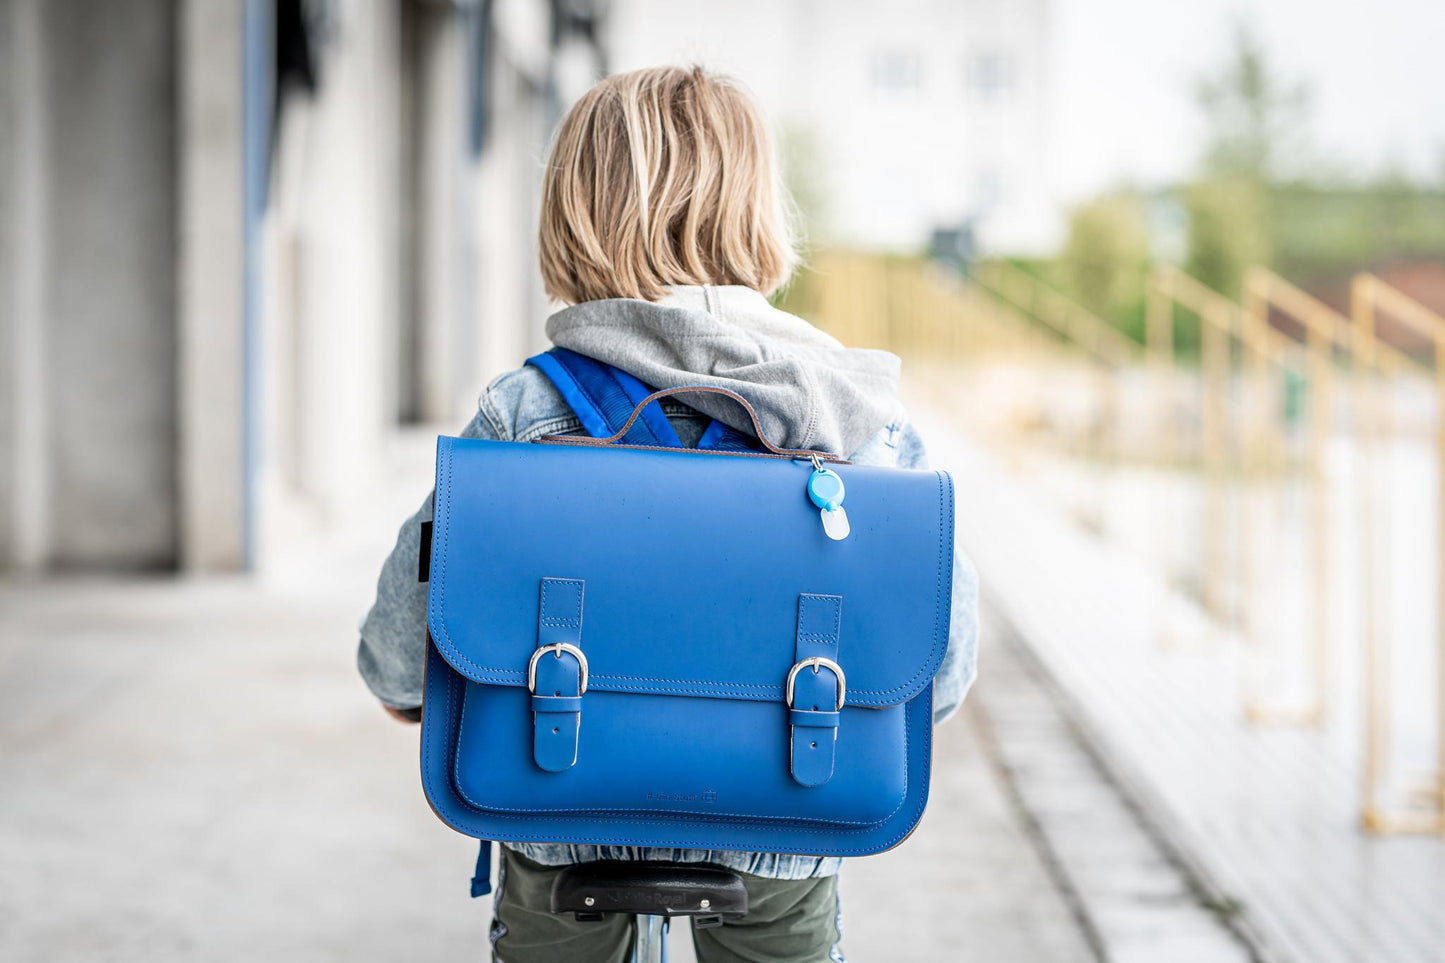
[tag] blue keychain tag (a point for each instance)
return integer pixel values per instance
(825, 489)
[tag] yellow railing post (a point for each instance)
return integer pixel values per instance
(1325, 330)
(1214, 445)
(1369, 295)
(1440, 584)
(1159, 348)
(1220, 320)
(1320, 366)
(1159, 341)
(1256, 456)
(1376, 643)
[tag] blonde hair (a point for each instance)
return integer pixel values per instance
(663, 176)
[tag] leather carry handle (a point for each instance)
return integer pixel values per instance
(681, 389)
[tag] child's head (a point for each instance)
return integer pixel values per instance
(658, 177)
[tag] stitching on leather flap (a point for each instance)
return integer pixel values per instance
(565, 607)
(859, 696)
(818, 617)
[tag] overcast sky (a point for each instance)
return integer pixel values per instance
(1125, 70)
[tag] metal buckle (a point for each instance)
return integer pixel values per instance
(556, 648)
(816, 662)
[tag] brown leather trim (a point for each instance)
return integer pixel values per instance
(612, 440)
(584, 441)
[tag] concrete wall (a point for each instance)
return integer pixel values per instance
(439, 113)
(395, 271)
(211, 297)
(10, 75)
(91, 260)
(111, 282)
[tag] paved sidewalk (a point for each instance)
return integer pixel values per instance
(192, 770)
(1269, 815)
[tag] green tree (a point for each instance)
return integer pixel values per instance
(1107, 254)
(1228, 231)
(805, 177)
(1255, 120)
(1255, 125)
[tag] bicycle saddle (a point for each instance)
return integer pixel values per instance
(709, 894)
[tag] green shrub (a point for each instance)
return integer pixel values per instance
(1228, 231)
(1105, 259)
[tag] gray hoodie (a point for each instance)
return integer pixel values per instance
(809, 390)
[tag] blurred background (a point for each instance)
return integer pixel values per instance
(1169, 283)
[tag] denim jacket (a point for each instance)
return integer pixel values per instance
(522, 405)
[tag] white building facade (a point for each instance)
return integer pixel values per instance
(898, 119)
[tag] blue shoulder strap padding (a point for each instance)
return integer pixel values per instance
(603, 396)
(726, 438)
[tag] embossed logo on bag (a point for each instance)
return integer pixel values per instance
(705, 796)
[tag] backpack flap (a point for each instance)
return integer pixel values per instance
(664, 647)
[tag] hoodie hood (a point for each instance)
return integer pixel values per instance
(808, 389)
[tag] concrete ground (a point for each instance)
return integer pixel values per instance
(1194, 717)
(192, 770)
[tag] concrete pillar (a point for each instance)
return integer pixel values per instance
(346, 294)
(330, 256)
(510, 304)
(7, 291)
(441, 106)
(407, 363)
(526, 91)
(24, 463)
(210, 289)
(110, 298)
(90, 345)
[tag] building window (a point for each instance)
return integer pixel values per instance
(896, 72)
(988, 190)
(990, 76)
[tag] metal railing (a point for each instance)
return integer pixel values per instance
(1218, 320)
(1254, 423)
(869, 301)
(1370, 297)
(1323, 329)
(1070, 320)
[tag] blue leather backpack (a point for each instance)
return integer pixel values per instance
(635, 643)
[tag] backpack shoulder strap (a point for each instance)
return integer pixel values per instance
(603, 397)
(726, 438)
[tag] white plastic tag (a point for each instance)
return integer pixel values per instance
(835, 523)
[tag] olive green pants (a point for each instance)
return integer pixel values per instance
(788, 921)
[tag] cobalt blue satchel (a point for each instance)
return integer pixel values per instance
(635, 643)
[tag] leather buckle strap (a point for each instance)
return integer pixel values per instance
(815, 698)
(816, 662)
(557, 683)
(557, 648)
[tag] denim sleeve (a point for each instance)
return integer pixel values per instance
(392, 653)
(960, 662)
